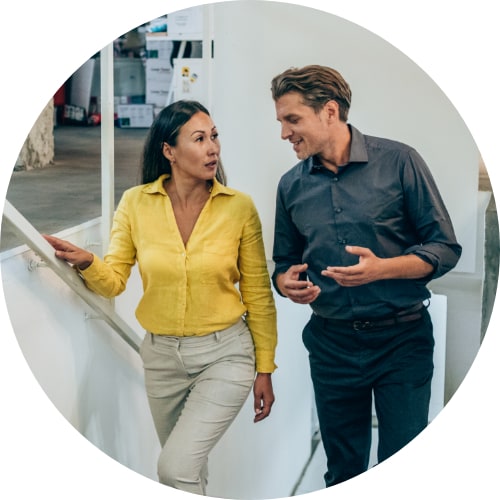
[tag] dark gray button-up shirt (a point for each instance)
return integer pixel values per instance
(384, 199)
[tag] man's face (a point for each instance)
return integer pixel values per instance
(307, 130)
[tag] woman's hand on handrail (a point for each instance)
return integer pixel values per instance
(70, 253)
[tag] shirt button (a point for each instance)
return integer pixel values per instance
(338, 210)
(335, 179)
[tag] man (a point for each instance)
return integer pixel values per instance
(360, 230)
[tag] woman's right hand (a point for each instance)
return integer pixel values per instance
(70, 253)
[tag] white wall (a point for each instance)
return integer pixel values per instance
(464, 292)
(392, 97)
(96, 381)
(89, 373)
(76, 361)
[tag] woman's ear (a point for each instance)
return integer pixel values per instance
(168, 152)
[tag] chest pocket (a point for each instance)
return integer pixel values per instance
(219, 261)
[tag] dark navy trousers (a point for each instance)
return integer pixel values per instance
(393, 364)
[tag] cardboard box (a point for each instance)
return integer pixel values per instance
(158, 72)
(159, 76)
(157, 97)
(135, 115)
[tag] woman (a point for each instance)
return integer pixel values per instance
(207, 306)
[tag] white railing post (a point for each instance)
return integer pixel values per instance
(107, 144)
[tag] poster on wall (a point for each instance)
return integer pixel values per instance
(189, 80)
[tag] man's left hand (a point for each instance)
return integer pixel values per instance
(368, 268)
(372, 268)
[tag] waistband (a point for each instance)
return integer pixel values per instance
(413, 313)
(216, 336)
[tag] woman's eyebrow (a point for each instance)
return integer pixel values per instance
(202, 131)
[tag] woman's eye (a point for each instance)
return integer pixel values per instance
(215, 137)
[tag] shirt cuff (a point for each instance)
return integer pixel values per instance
(265, 362)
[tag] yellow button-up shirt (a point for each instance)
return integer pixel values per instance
(204, 286)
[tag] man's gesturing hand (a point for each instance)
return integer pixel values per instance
(296, 289)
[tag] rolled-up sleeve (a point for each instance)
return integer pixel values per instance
(438, 244)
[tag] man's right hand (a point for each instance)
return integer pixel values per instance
(297, 290)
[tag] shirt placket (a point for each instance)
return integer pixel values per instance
(342, 231)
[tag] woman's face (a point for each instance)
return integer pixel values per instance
(197, 151)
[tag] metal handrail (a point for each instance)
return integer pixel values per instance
(39, 245)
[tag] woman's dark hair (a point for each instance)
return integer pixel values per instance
(165, 128)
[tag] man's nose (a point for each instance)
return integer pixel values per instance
(285, 132)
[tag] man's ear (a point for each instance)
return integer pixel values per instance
(332, 110)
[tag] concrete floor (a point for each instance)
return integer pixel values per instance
(68, 192)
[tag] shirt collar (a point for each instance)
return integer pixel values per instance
(157, 187)
(357, 153)
(219, 188)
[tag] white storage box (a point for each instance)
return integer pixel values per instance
(135, 115)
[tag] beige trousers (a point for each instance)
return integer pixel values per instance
(196, 386)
